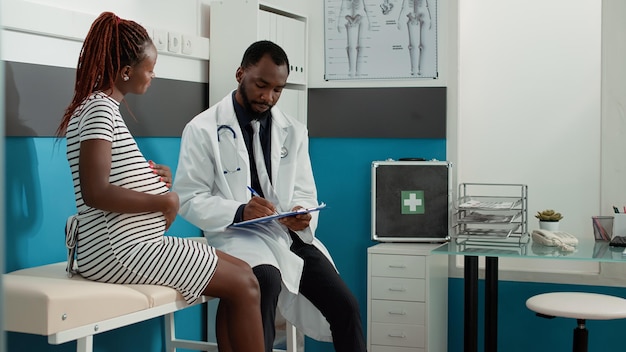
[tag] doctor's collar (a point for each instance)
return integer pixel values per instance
(244, 117)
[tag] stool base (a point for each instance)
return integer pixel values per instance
(581, 335)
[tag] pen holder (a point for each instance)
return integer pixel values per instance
(619, 225)
(602, 227)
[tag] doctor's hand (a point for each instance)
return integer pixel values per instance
(297, 222)
(258, 207)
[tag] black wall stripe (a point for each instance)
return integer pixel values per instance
(37, 95)
(414, 112)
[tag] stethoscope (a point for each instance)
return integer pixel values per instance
(228, 130)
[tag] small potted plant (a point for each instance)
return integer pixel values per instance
(549, 219)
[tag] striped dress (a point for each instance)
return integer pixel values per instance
(130, 248)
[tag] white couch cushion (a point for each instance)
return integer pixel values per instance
(43, 300)
(38, 303)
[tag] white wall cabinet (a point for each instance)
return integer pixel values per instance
(234, 25)
(407, 298)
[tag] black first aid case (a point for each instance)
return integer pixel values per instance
(411, 201)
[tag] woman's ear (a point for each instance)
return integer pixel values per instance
(125, 73)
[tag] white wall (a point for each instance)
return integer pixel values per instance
(541, 103)
(529, 107)
(529, 102)
(50, 32)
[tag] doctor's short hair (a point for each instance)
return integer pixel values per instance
(257, 50)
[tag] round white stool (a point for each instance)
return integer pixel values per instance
(580, 306)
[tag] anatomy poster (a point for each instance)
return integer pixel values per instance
(380, 39)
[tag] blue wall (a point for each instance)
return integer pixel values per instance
(520, 330)
(342, 170)
(39, 198)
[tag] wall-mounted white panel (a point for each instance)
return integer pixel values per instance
(613, 104)
(290, 102)
(229, 40)
(66, 55)
(62, 23)
(293, 40)
(27, 48)
(257, 21)
(179, 15)
(290, 34)
(31, 29)
(267, 26)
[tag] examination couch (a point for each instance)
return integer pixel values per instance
(43, 300)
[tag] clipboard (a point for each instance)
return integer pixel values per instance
(278, 216)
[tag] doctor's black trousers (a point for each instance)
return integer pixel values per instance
(322, 285)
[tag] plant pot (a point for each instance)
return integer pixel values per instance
(549, 225)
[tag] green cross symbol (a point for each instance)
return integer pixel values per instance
(412, 202)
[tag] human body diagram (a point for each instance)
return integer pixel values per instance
(351, 17)
(419, 20)
(369, 39)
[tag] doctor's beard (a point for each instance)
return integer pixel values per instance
(248, 105)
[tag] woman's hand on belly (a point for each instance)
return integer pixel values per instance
(171, 204)
(163, 171)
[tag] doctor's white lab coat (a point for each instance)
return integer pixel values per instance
(211, 180)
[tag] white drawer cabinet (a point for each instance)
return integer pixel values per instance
(407, 298)
(398, 312)
(398, 289)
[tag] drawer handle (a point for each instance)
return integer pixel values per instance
(397, 266)
(401, 312)
(399, 335)
(397, 289)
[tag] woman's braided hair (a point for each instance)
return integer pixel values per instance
(111, 44)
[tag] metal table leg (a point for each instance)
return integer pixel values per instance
(491, 304)
(471, 304)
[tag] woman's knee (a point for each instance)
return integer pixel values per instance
(249, 283)
(235, 281)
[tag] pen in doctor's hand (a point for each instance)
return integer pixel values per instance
(254, 193)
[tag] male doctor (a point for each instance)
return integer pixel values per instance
(220, 183)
